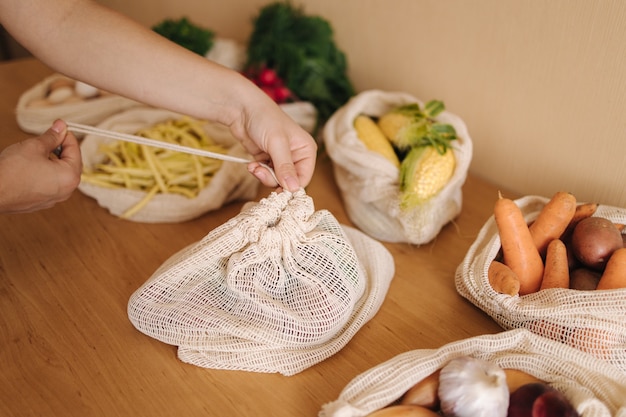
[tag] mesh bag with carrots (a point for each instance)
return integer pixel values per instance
(593, 387)
(277, 288)
(589, 320)
(369, 183)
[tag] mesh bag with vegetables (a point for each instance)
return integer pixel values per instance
(592, 387)
(150, 185)
(400, 164)
(586, 318)
(277, 288)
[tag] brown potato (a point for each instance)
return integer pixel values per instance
(594, 240)
(584, 279)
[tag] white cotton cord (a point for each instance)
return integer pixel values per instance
(90, 130)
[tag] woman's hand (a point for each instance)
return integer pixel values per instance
(32, 177)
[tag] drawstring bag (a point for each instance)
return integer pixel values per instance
(592, 321)
(277, 288)
(231, 182)
(369, 183)
(595, 388)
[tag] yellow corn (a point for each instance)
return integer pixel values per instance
(423, 173)
(393, 124)
(374, 139)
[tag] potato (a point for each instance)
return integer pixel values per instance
(584, 279)
(594, 240)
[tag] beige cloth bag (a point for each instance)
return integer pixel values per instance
(592, 321)
(595, 388)
(278, 288)
(369, 183)
(231, 182)
(37, 120)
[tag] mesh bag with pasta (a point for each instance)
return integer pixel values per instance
(277, 288)
(593, 321)
(369, 183)
(595, 388)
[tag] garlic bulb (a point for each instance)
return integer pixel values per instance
(471, 387)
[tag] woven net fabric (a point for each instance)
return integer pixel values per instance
(369, 183)
(277, 288)
(592, 321)
(594, 387)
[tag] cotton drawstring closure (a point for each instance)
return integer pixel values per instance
(90, 130)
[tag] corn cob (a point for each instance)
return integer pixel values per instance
(374, 139)
(423, 173)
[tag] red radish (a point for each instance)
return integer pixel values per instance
(268, 77)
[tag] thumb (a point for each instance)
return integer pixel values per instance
(54, 136)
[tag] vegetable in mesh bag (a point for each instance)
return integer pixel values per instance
(277, 288)
(591, 321)
(593, 387)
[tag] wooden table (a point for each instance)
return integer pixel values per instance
(67, 347)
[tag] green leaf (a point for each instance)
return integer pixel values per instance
(186, 34)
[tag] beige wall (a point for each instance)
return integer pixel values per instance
(541, 84)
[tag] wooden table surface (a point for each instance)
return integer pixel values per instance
(67, 347)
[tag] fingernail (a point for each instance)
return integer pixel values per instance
(58, 126)
(292, 184)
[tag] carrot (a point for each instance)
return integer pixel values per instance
(582, 211)
(614, 274)
(620, 226)
(502, 278)
(552, 220)
(556, 270)
(518, 248)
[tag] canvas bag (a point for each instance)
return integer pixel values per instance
(369, 182)
(595, 388)
(277, 288)
(231, 182)
(92, 111)
(592, 321)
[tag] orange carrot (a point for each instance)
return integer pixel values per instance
(614, 274)
(582, 211)
(502, 278)
(552, 220)
(556, 270)
(620, 226)
(518, 248)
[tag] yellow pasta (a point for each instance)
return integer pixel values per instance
(155, 170)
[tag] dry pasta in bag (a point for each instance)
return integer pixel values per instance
(277, 288)
(593, 387)
(589, 320)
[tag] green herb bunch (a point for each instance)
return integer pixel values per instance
(302, 51)
(186, 34)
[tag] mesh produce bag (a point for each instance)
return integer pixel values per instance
(231, 182)
(593, 321)
(277, 288)
(369, 182)
(595, 388)
(38, 119)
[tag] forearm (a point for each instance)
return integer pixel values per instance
(106, 49)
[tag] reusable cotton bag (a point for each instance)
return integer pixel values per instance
(277, 288)
(91, 111)
(231, 182)
(369, 183)
(595, 388)
(593, 321)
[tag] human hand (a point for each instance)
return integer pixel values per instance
(269, 134)
(32, 178)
